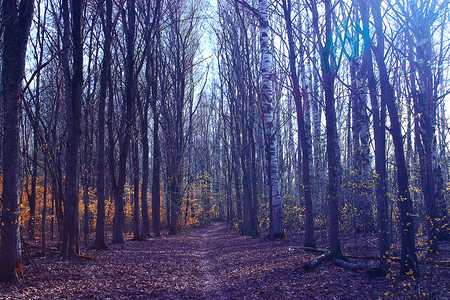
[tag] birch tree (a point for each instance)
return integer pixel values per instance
(276, 217)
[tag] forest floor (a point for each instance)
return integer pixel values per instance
(216, 263)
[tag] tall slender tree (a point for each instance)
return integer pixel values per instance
(100, 234)
(306, 147)
(129, 24)
(423, 17)
(329, 73)
(408, 252)
(276, 216)
(73, 117)
(379, 124)
(152, 73)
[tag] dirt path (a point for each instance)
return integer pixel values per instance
(208, 239)
(204, 263)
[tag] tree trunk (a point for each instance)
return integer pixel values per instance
(73, 112)
(145, 179)
(174, 190)
(380, 142)
(86, 170)
(16, 31)
(408, 252)
(130, 95)
(254, 200)
(58, 191)
(156, 197)
(276, 221)
(156, 181)
(237, 181)
(333, 153)
(44, 207)
(136, 212)
(318, 159)
(32, 196)
(306, 147)
(145, 173)
(246, 185)
(100, 238)
(426, 106)
(360, 162)
(152, 88)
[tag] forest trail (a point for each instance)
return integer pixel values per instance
(209, 239)
(213, 262)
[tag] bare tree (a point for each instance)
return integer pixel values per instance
(306, 146)
(408, 252)
(329, 73)
(73, 116)
(177, 106)
(152, 72)
(128, 19)
(100, 238)
(423, 16)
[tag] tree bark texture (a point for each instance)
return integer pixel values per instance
(16, 22)
(276, 222)
(100, 237)
(73, 116)
(130, 94)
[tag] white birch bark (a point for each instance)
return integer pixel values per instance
(276, 222)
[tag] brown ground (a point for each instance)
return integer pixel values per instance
(214, 263)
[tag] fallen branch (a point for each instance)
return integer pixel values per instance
(372, 271)
(350, 266)
(363, 257)
(397, 259)
(317, 261)
(310, 249)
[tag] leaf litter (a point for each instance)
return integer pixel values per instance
(215, 262)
